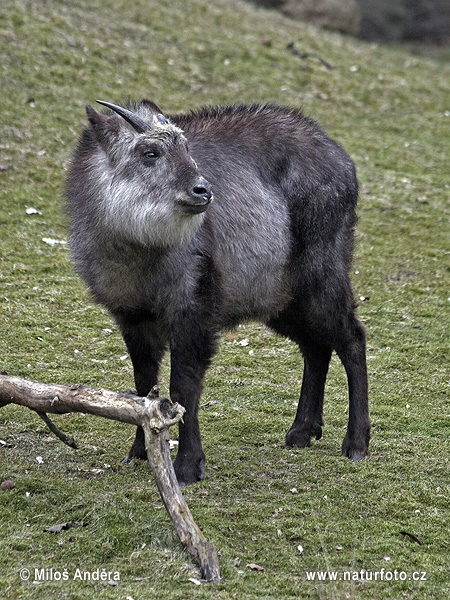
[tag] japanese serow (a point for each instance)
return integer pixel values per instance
(185, 225)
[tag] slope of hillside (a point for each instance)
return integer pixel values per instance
(292, 513)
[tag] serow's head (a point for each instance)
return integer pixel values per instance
(152, 189)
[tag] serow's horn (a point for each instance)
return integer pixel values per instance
(139, 125)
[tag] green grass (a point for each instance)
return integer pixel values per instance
(391, 111)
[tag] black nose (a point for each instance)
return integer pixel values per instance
(201, 191)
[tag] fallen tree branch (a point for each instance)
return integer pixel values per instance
(155, 416)
(69, 441)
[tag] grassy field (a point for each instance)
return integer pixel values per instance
(292, 513)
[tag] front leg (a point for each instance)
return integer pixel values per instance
(145, 341)
(192, 346)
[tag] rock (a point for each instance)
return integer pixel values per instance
(7, 485)
(339, 15)
(424, 21)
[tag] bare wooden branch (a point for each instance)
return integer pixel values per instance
(69, 441)
(154, 415)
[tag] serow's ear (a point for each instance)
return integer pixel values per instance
(149, 105)
(102, 125)
(94, 117)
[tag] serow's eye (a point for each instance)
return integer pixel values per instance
(151, 156)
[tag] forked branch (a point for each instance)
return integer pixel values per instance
(154, 415)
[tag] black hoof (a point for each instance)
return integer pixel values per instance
(356, 449)
(300, 436)
(189, 470)
(137, 450)
(357, 456)
(131, 456)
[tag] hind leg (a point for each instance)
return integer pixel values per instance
(316, 355)
(340, 330)
(351, 349)
(309, 418)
